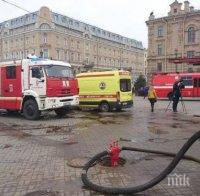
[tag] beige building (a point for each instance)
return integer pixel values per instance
(174, 36)
(59, 37)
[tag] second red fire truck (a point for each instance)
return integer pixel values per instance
(163, 84)
(35, 85)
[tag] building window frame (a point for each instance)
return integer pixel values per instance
(58, 54)
(190, 54)
(45, 53)
(159, 67)
(191, 34)
(160, 49)
(45, 38)
(160, 31)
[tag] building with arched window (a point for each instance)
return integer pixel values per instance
(174, 36)
(59, 37)
(191, 34)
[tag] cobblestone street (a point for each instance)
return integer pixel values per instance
(36, 157)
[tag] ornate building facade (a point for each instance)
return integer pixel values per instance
(174, 36)
(59, 37)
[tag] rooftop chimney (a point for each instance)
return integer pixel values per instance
(186, 6)
(191, 8)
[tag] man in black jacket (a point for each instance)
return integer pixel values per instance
(178, 85)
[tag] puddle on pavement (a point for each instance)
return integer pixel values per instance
(176, 125)
(59, 129)
(148, 157)
(158, 140)
(190, 121)
(3, 146)
(42, 193)
(156, 130)
(103, 118)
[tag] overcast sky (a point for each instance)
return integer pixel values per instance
(125, 17)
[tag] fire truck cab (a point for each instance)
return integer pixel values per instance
(35, 85)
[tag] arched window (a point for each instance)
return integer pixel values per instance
(45, 26)
(191, 35)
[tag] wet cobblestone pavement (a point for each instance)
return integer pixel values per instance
(45, 157)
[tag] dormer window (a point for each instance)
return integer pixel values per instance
(56, 17)
(175, 11)
(71, 22)
(64, 19)
(77, 24)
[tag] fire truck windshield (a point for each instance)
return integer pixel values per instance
(58, 71)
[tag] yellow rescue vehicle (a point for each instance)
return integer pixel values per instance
(105, 90)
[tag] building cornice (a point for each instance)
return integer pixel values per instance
(172, 17)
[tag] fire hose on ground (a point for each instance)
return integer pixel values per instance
(147, 185)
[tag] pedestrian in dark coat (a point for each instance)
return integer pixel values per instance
(178, 85)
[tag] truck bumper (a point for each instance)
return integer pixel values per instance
(124, 104)
(51, 103)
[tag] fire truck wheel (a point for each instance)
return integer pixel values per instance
(30, 110)
(104, 107)
(61, 112)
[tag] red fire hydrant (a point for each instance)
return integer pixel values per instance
(114, 154)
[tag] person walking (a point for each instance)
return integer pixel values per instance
(152, 97)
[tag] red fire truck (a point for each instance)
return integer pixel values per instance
(163, 84)
(35, 85)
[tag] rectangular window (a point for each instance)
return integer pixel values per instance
(195, 82)
(160, 49)
(72, 57)
(190, 54)
(11, 72)
(87, 46)
(87, 60)
(58, 54)
(160, 31)
(45, 53)
(187, 80)
(125, 85)
(79, 57)
(44, 38)
(159, 67)
(37, 72)
(78, 45)
(65, 42)
(33, 39)
(66, 56)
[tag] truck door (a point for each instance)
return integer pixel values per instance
(196, 87)
(11, 92)
(37, 80)
(125, 90)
